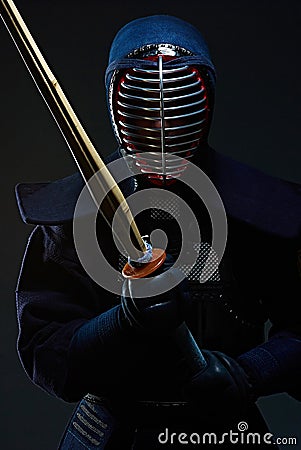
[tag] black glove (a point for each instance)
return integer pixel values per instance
(157, 314)
(221, 386)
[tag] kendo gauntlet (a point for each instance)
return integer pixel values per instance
(156, 313)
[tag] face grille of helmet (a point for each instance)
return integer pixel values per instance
(162, 112)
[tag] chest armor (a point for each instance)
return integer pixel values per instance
(226, 314)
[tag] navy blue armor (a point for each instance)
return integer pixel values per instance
(133, 385)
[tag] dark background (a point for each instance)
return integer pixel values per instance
(256, 48)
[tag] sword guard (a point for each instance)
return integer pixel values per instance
(145, 269)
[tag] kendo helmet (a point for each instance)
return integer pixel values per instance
(160, 100)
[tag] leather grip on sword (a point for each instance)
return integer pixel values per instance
(187, 346)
